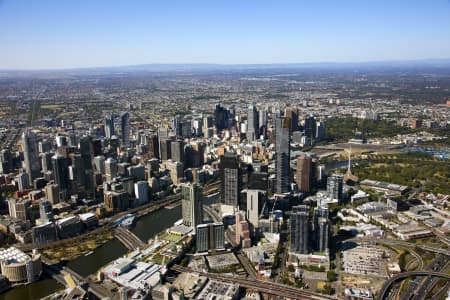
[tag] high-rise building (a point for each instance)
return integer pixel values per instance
(86, 151)
(5, 161)
(230, 181)
(31, 156)
(321, 228)
(262, 120)
(141, 192)
(45, 211)
(292, 115)
(111, 168)
(59, 163)
(46, 161)
(335, 187)
(310, 130)
(176, 171)
(165, 149)
(125, 128)
(299, 227)
(222, 116)
(304, 173)
(210, 237)
(255, 203)
(192, 204)
(177, 150)
(23, 181)
(282, 155)
(109, 125)
(252, 123)
(321, 132)
(52, 193)
(153, 146)
(116, 201)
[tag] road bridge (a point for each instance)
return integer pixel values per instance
(128, 239)
(387, 284)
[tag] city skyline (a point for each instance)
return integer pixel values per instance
(55, 35)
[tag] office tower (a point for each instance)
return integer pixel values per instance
(321, 228)
(18, 208)
(176, 171)
(304, 174)
(59, 163)
(310, 130)
(321, 132)
(186, 128)
(116, 201)
(299, 227)
(77, 169)
(153, 146)
(152, 167)
(282, 155)
(177, 150)
(125, 128)
(192, 204)
(255, 203)
(96, 148)
(137, 172)
(109, 125)
(210, 237)
(222, 116)
(111, 168)
(292, 115)
(198, 155)
(86, 151)
(262, 121)
(52, 193)
(165, 149)
(45, 211)
(45, 233)
(23, 181)
(61, 141)
(197, 125)
(5, 161)
(46, 161)
(252, 124)
(30, 153)
(335, 186)
(230, 181)
(141, 192)
(44, 146)
(99, 164)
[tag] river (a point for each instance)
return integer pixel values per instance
(146, 227)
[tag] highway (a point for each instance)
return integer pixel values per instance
(383, 291)
(265, 287)
(402, 243)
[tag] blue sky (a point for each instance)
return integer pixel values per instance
(44, 34)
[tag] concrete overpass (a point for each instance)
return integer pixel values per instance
(383, 291)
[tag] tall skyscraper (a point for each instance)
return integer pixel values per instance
(304, 173)
(262, 120)
(255, 202)
(222, 116)
(59, 163)
(282, 155)
(335, 187)
(252, 123)
(52, 193)
(177, 150)
(23, 181)
(109, 125)
(292, 115)
(30, 153)
(125, 128)
(299, 227)
(5, 161)
(45, 211)
(310, 130)
(229, 174)
(111, 168)
(321, 228)
(192, 204)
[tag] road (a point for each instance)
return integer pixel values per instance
(387, 284)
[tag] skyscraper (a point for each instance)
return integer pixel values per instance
(292, 115)
(262, 120)
(192, 204)
(59, 163)
(109, 125)
(310, 130)
(255, 202)
(299, 227)
(125, 128)
(230, 181)
(335, 186)
(282, 155)
(210, 237)
(321, 228)
(45, 211)
(304, 173)
(111, 168)
(252, 123)
(30, 153)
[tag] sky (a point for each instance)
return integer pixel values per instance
(58, 34)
